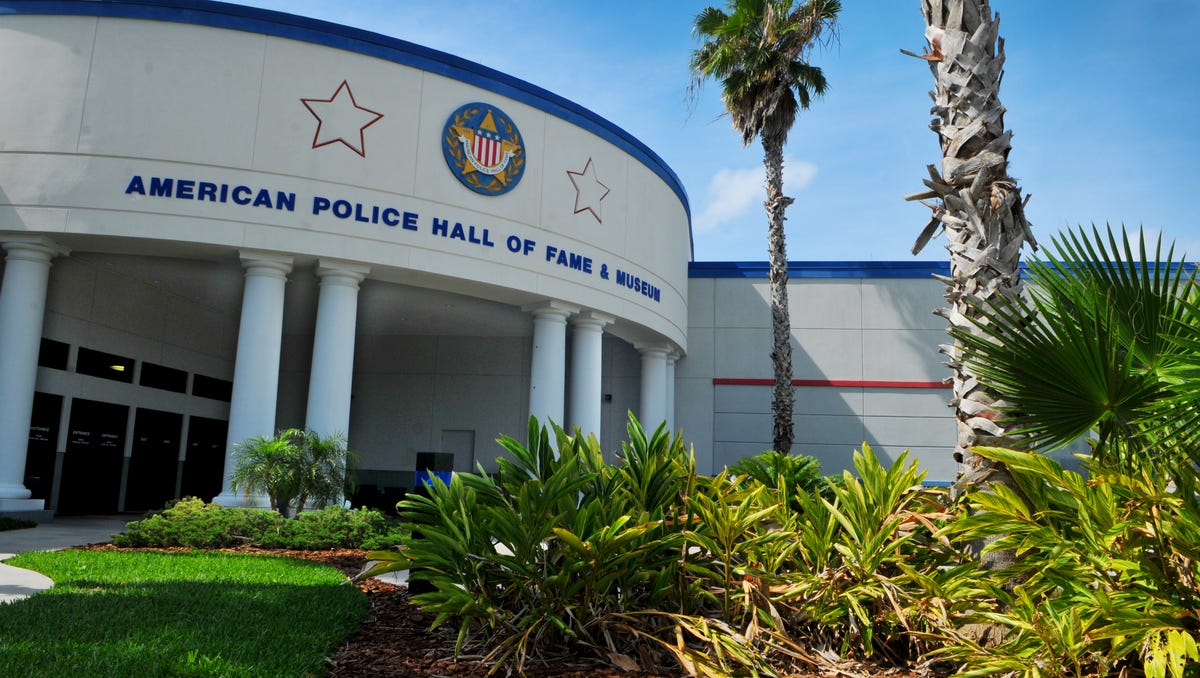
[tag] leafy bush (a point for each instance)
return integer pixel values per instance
(337, 527)
(193, 523)
(7, 523)
(558, 549)
(561, 553)
(1108, 578)
(779, 471)
(868, 576)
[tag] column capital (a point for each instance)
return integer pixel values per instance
(268, 263)
(551, 308)
(592, 319)
(654, 349)
(337, 272)
(31, 248)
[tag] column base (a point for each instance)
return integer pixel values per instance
(26, 509)
(231, 500)
(14, 492)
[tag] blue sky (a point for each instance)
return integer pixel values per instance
(1102, 97)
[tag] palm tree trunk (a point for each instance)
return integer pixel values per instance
(980, 207)
(783, 397)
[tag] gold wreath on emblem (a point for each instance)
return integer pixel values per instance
(460, 138)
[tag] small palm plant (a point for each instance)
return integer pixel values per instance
(295, 468)
(1105, 344)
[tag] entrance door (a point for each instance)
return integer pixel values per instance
(204, 466)
(43, 437)
(91, 473)
(154, 460)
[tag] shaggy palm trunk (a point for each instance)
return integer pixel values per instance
(979, 206)
(783, 397)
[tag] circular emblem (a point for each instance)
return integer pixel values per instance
(483, 148)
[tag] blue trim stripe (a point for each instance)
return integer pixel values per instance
(842, 269)
(279, 24)
(820, 269)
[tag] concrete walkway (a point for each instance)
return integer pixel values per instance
(62, 533)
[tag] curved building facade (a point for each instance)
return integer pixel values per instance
(219, 221)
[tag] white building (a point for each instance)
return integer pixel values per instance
(220, 221)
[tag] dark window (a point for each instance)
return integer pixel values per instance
(166, 378)
(104, 365)
(53, 354)
(209, 387)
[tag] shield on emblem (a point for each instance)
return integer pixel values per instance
(486, 148)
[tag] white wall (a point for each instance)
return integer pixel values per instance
(95, 102)
(843, 330)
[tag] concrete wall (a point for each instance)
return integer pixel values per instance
(867, 337)
(217, 95)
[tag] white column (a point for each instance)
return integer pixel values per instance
(548, 367)
(672, 358)
(587, 340)
(22, 309)
(332, 370)
(256, 372)
(653, 410)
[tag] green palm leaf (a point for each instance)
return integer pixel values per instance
(1105, 343)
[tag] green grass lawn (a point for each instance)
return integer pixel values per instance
(114, 613)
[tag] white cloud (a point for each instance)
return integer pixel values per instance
(733, 194)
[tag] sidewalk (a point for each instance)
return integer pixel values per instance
(62, 533)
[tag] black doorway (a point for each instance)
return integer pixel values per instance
(43, 437)
(153, 461)
(204, 467)
(91, 473)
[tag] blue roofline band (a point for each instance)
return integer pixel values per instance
(316, 31)
(820, 269)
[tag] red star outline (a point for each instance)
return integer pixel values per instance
(571, 175)
(362, 142)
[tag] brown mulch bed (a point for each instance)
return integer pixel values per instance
(395, 640)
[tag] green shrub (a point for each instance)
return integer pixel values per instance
(553, 553)
(193, 523)
(1108, 575)
(7, 523)
(865, 575)
(780, 471)
(560, 552)
(337, 527)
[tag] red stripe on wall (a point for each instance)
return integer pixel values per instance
(836, 383)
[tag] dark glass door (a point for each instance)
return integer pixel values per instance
(154, 460)
(43, 437)
(204, 467)
(91, 473)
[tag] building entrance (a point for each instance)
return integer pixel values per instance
(153, 461)
(43, 438)
(91, 472)
(204, 466)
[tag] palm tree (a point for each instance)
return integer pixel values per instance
(295, 468)
(268, 466)
(978, 205)
(759, 51)
(325, 474)
(1107, 345)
